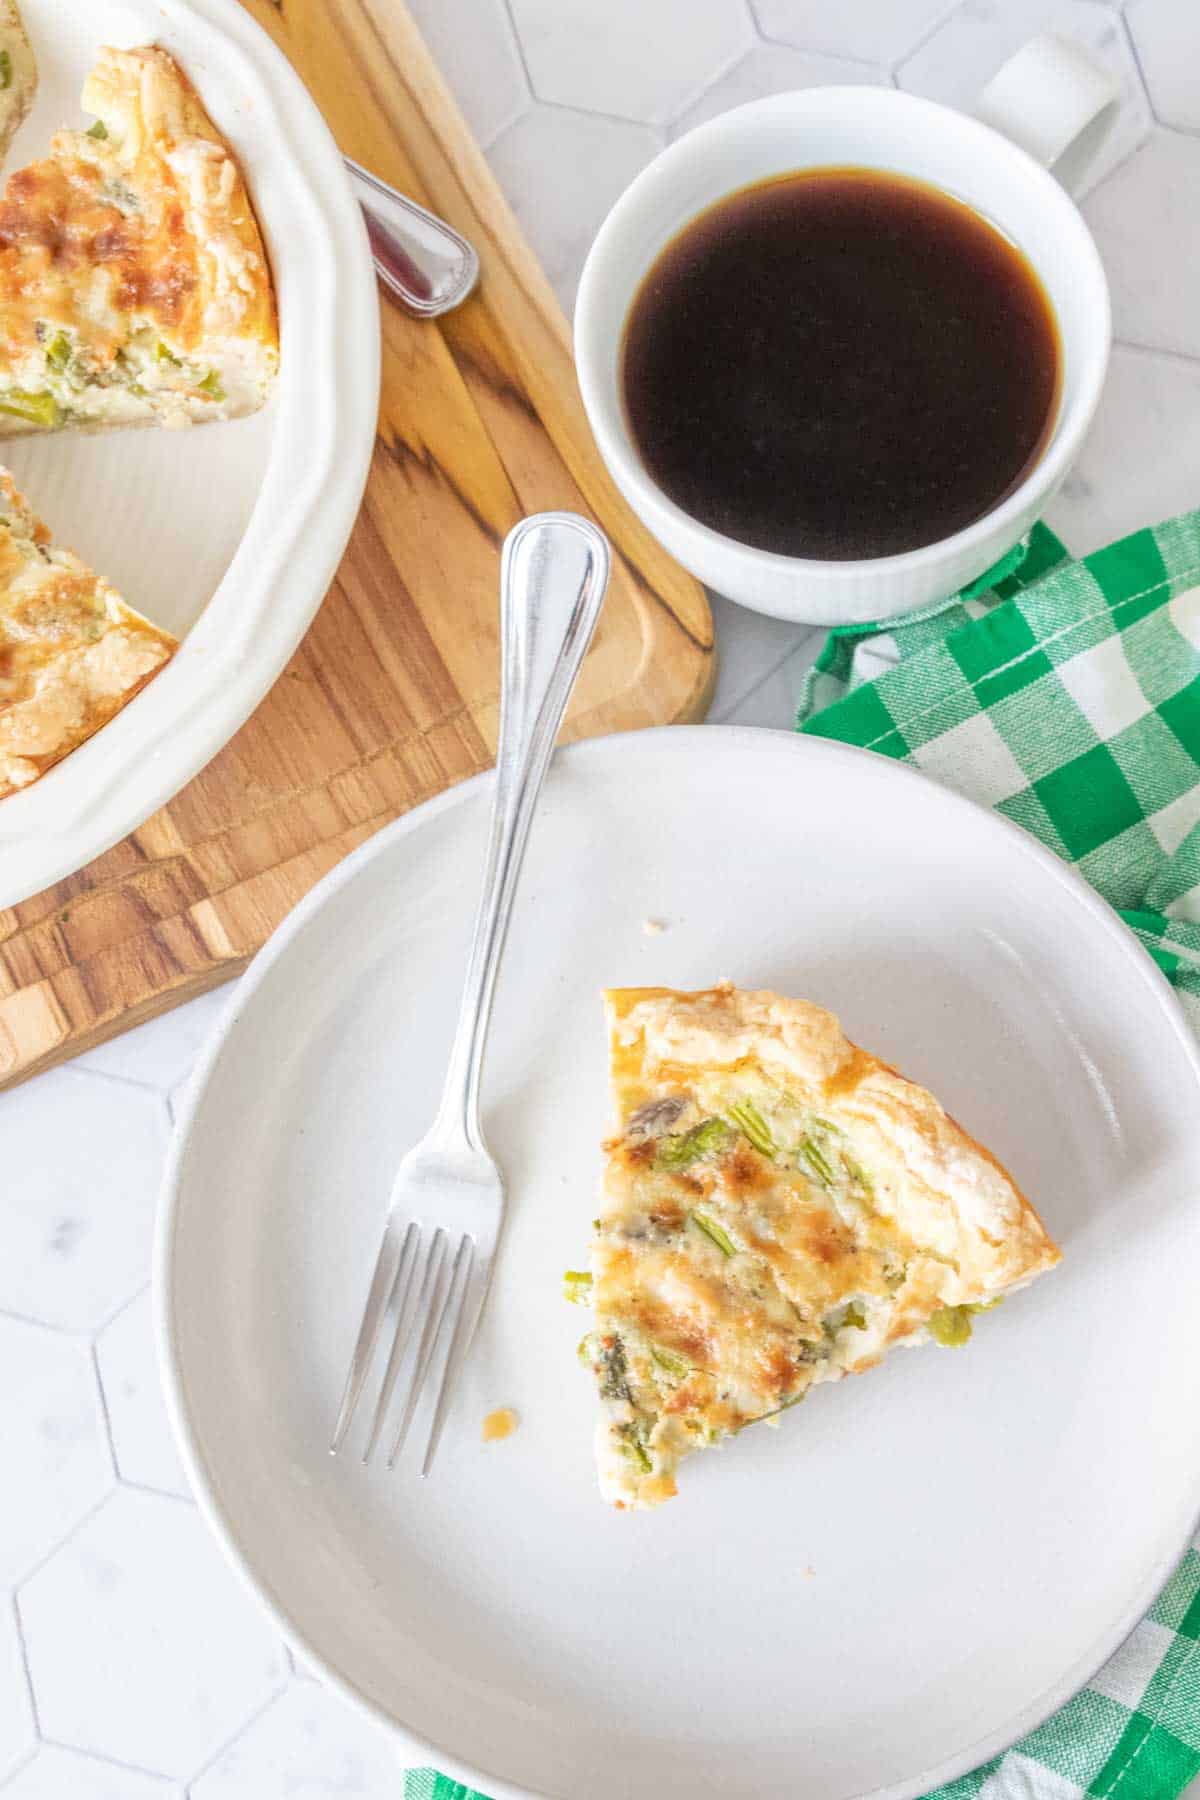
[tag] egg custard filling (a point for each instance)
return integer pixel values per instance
(778, 1207)
(134, 286)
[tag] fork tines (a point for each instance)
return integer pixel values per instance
(421, 1279)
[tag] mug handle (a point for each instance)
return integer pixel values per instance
(1055, 100)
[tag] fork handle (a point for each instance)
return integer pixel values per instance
(553, 574)
(424, 262)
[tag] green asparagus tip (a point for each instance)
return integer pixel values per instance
(817, 1161)
(951, 1326)
(707, 1138)
(714, 1233)
(752, 1125)
(35, 409)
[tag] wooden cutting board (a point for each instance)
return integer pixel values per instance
(392, 696)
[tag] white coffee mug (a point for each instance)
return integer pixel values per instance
(1052, 102)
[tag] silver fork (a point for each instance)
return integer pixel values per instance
(431, 1275)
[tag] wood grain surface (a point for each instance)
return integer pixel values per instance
(392, 696)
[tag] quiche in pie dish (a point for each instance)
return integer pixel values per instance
(778, 1208)
(18, 73)
(134, 286)
(72, 653)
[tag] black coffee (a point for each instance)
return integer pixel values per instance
(840, 363)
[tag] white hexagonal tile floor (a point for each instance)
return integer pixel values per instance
(58, 1774)
(154, 1676)
(489, 77)
(962, 55)
(1147, 225)
(1122, 479)
(57, 1465)
(1164, 32)
(142, 1441)
(775, 69)
(594, 160)
(17, 1733)
(160, 1054)
(307, 1741)
(598, 59)
(78, 1224)
(875, 31)
(143, 1645)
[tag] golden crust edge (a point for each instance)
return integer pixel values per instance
(29, 526)
(46, 763)
(621, 1002)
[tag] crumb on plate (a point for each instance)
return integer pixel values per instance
(654, 927)
(499, 1424)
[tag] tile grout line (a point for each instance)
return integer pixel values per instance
(19, 1768)
(519, 46)
(24, 1649)
(1125, 31)
(1122, 162)
(126, 1081)
(156, 1493)
(514, 118)
(65, 1331)
(97, 1331)
(123, 1308)
(718, 718)
(515, 40)
(697, 93)
(110, 1762)
(724, 717)
(657, 131)
(35, 1568)
(102, 1402)
(1176, 356)
(661, 127)
(766, 42)
(251, 1718)
(926, 37)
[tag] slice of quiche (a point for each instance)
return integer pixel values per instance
(72, 653)
(18, 73)
(778, 1207)
(134, 286)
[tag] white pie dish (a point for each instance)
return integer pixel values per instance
(227, 535)
(919, 1566)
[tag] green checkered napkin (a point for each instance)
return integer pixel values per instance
(1066, 695)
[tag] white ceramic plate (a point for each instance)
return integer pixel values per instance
(229, 535)
(918, 1566)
